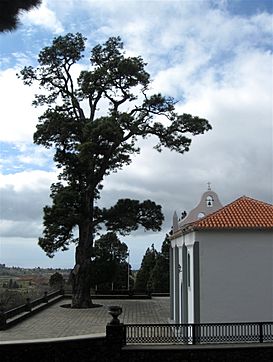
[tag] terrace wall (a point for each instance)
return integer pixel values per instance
(96, 348)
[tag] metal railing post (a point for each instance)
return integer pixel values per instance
(193, 326)
(261, 339)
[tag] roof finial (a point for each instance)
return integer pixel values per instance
(209, 188)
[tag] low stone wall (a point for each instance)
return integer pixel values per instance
(69, 349)
(213, 353)
(15, 315)
(98, 348)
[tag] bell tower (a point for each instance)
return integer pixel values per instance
(208, 204)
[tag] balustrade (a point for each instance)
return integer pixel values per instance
(204, 333)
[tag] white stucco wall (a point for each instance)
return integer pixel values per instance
(175, 292)
(236, 271)
(189, 240)
(190, 287)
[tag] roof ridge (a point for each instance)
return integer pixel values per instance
(259, 201)
(217, 211)
(224, 208)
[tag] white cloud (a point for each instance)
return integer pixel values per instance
(26, 229)
(28, 180)
(18, 117)
(23, 196)
(25, 156)
(43, 16)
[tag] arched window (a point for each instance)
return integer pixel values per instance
(209, 201)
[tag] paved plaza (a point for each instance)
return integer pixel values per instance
(56, 321)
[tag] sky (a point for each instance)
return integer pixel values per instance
(213, 56)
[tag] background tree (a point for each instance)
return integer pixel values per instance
(143, 278)
(10, 299)
(153, 275)
(13, 284)
(56, 280)
(90, 145)
(10, 285)
(110, 267)
(160, 274)
(10, 11)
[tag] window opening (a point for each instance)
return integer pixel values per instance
(209, 201)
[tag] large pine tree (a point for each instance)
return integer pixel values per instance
(89, 146)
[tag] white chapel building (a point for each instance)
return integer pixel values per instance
(221, 262)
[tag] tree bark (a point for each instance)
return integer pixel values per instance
(81, 274)
(81, 280)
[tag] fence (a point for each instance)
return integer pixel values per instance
(15, 315)
(204, 333)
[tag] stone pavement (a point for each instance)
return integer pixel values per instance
(56, 321)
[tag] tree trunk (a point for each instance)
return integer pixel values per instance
(81, 279)
(81, 274)
(81, 286)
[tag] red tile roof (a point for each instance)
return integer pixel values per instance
(243, 213)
